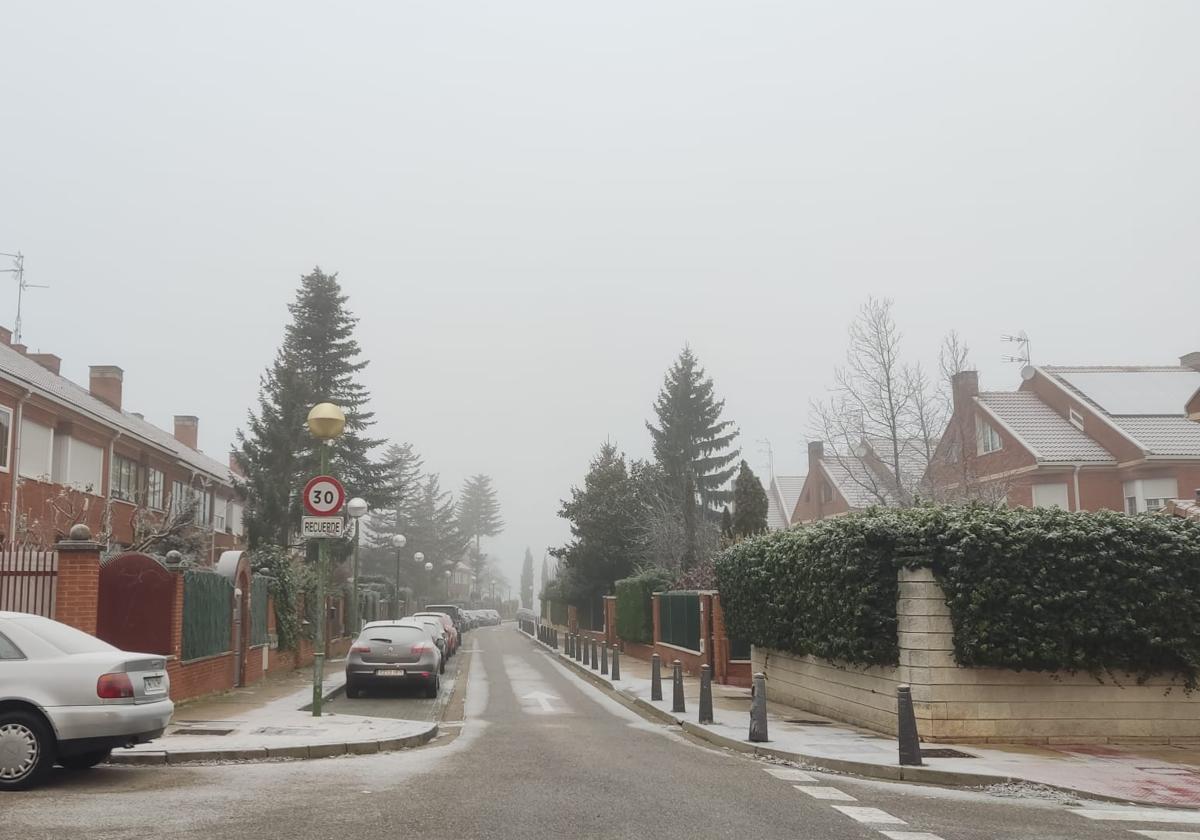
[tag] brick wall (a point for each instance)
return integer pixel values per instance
(978, 704)
(77, 589)
(201, 676)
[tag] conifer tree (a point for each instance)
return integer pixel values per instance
(318, 361)
(527, 581)
(749, 504)
(478, 517)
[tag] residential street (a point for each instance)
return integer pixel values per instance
(542, 755)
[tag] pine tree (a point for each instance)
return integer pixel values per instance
(726, 522)
(402, 485)
(478, 517)
(433, 528)
(527, 581)
(749, 504)
(318, 361)
(690, 443)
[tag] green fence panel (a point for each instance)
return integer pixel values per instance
(679, 619)
(739, 650)
(260, 593)
(558, 613)
(207, 614)
(591, 614)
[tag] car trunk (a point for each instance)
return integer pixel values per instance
(392, 645)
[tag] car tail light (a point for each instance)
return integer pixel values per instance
(361, 649)
(421, 647)
(114, 687)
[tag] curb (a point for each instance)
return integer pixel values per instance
(306, 752)
(897, 773)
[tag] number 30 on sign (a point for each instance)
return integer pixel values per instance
(324, 495)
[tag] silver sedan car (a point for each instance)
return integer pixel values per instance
(393, 653)
(68, 698)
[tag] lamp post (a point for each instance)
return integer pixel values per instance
(446, 574)
(418, 558)
(398, 542)
(325, 423)
(357, 508)
(428, 580)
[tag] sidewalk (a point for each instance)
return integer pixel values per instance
(268, 721)
(1154, 775)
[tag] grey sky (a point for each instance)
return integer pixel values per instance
(533, 205)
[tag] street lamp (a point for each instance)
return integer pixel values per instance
(447, 576)
(428, 578)
(357, 508)
(325, 423)
(398, 542)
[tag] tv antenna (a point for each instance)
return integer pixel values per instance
(1024, 357)
(19, 270)
(765, 446)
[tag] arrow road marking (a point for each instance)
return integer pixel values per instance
(543, 699)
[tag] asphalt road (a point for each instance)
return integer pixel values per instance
(542, 756)
(404, 702)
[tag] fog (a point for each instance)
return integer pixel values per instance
(534, 205)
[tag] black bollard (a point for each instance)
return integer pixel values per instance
(758, 709)
(910, 741)
(677, 687)
(655, 677)
(570, 651)
(616, 669)
(595, 657)
(604, 659)
(706, 710)
(586, 647)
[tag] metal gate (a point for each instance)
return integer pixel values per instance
(679, 619)
(136, 598)
(28, 578)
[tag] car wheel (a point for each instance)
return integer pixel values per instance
(434, 687)
(26, 750)
(352, 690)
(84, 761)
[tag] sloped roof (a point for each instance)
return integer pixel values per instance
(1167, 436)
(776, 519)
(858, 484)
(26, 371)
(913, 460)
(782, 496)
(1048, 434)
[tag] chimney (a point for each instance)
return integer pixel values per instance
(235, 466)
(6, 336)
(187, 430)
(816, 451)
(1191, 360)
(964, 387)
(20, 348)
(49, 361)
(104, 383)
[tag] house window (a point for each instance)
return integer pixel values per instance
(1076, 419)
(124, 479)
(1145, 495)
(155, 482)
(1051, 495)
(181, 496)
(78, 464)
(219, 517)
(234, 520)
(5, 435)
(204, 509)
(37, 450)
(988, 437)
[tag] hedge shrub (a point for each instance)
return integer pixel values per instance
(635, 612)
(1028, 589)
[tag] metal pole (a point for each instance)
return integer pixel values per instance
(354, 582)
(677, 687)
(758, 709)
(909, 740)
(616, 668)
(396, 597)
(604, 659)
(655, 677)
(706, 704)
(319, 631)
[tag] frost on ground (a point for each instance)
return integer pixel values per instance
(1029, 790)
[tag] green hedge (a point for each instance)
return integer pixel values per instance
(635, 617)
(1028, 589)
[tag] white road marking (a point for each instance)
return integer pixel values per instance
(871, 816)
(817, 792)
(1170, 835)
(542, 698)
(909, 835)
(790, 775)
(1154, 815)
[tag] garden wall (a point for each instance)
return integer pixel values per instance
(981, 705)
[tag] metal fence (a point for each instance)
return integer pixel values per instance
(739, 651)
(207, 614)
(679, 619)
(260, 595)
(28, 579)
(591, 614)
(558, 613)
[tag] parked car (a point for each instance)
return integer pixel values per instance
(451, 610)
(437, 631)
(448, 623)
(68, 698)
(393, 653)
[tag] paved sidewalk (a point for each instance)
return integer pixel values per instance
(1158, 775)
(269, 721)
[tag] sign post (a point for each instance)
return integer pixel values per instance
(323, 498)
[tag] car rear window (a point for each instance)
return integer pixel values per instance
(63, 638)
(8, 650)
(392, 635)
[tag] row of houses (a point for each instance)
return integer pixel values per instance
(74, 455)
(1077, 438)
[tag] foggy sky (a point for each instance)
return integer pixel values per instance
(534, 205)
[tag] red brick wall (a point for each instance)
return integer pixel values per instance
(254, 665)
(77, 590)
(201, 676)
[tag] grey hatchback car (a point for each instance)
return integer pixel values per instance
(393, 654)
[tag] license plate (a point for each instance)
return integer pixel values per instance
(154, 685)
(392, 672)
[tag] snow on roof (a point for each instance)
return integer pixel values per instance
(59, 389)
(1047, 433)
(913, 458)
(857, 482)
(790, 488)
(1169, 436)
(1132, 391)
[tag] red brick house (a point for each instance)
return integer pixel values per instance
(1080, 438)
(70, 454)
(783, 491)
(842, 482)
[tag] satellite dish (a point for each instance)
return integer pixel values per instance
(1028, 372)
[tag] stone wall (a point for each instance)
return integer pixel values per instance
(978, 704)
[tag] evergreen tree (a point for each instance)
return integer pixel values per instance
(690, 444)
(604, 528)
(726, 523)
(317, 362)
(432, 527)
(527, 581)
(402, 485)
(478, 517)
(749, 504)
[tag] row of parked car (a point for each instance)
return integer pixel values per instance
(411, 650)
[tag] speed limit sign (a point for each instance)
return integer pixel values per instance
(324, 495)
